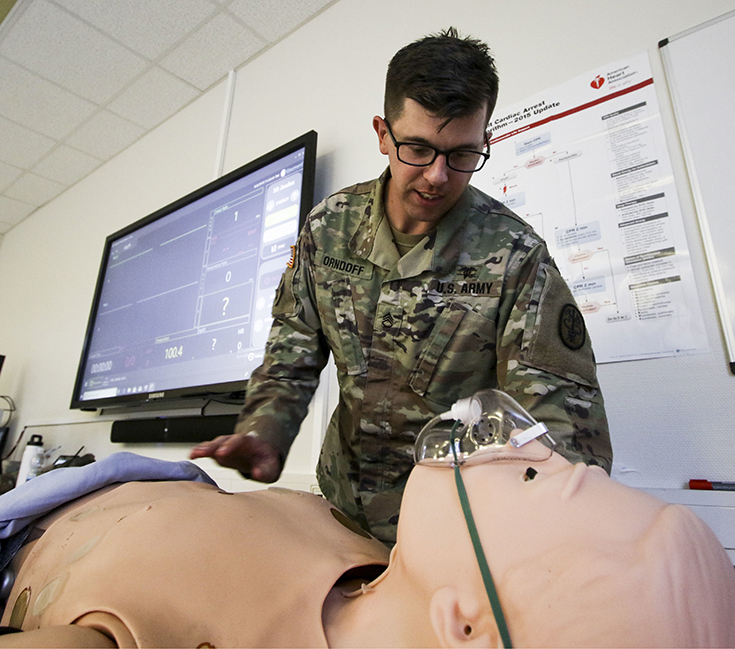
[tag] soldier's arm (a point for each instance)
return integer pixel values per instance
(545, 358)
(280, 390)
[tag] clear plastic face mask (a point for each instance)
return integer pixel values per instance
(489, 426)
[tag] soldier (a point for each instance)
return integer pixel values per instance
(424, 290)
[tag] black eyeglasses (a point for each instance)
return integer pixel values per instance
(423, 155)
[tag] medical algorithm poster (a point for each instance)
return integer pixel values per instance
(586, 165)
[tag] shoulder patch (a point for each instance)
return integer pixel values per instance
(571, 327)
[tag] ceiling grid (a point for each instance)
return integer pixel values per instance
(82, 80)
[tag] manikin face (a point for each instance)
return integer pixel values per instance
(577, 558)
(417, 198)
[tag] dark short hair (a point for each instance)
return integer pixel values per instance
(448, 75)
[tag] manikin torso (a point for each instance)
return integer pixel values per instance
(185, 564)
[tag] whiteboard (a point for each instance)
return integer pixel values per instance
(701, 76)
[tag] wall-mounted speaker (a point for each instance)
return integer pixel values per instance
(181, 430)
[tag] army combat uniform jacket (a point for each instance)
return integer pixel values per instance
(477, 304)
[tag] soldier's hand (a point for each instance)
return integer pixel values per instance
(253, 457)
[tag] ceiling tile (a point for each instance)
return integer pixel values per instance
(150, 28)
(272, 20)
(34, 190)
(153, 98)
(221, 45)
(81, 80)
(8, 173)
(20, 146)
(66, 165)
(105, 135)
(61, 48)
(12, 211)
(39, 104)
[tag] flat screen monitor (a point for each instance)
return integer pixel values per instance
(182, 306)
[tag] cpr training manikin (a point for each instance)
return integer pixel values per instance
(576, 560)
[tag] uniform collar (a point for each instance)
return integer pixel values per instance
(373, 239)
(374, 225)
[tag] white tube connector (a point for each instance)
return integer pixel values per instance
(464, 410)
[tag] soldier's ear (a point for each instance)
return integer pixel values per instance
(459, 620)
(382, 131)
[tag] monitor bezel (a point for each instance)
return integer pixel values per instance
(232, 391)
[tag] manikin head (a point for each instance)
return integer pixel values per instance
(577, 560)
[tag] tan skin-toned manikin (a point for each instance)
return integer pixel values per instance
(417, 199)
(578, 561)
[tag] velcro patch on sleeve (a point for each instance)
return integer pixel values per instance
(556, 338)
(284, 304)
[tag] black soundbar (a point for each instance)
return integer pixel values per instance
(181, 430)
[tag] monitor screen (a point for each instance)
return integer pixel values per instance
(183, 301)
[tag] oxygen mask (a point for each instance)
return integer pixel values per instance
(488, 426)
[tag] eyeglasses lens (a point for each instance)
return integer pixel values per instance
(423, 156)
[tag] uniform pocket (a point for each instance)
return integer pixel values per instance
(458, 358)
(339, 324)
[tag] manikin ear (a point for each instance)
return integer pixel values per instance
(382, 131)
(462, 621)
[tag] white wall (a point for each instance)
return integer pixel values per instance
(671, 419)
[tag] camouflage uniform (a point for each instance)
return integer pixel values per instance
(477, 304)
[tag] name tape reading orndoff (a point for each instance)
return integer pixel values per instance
(355, 269)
